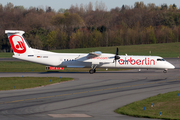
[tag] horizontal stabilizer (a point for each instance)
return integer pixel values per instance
(14, 32)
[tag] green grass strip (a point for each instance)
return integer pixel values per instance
(6, 55)
(9, 83)
(163, 50)
(168, 104)
(23, 66)
(20, 66)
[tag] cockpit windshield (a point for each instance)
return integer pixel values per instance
(160, 60)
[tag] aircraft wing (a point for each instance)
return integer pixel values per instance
(94, 54)
(89, 56)
(95, 58)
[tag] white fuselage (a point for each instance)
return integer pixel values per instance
(80, 60)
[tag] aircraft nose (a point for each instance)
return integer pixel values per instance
(171, 66)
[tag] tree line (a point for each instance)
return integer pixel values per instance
(91, 25)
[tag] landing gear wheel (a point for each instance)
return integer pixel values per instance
(165, 71)
(91, 71)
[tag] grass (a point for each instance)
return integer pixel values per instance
(20, 66)
(167, 103)
(8, 83)
(5, 55)
(163, 50)
(23, 66)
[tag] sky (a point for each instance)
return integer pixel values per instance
(65, 4)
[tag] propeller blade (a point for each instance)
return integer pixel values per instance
(117, 51)
(116, 57)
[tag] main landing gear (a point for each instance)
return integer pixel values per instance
(93, 69)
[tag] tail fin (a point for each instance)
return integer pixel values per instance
(18, 43)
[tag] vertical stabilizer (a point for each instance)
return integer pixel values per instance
(18, 43)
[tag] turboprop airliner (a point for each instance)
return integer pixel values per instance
(90, 60)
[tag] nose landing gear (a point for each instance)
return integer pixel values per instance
(165, 71)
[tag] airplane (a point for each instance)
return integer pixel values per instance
(90, 60)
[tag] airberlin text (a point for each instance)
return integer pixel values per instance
(131, 61)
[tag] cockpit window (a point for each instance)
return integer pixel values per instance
(160, 60)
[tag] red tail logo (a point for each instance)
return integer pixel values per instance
(17, 44)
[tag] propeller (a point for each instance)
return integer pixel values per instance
(116, 57)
